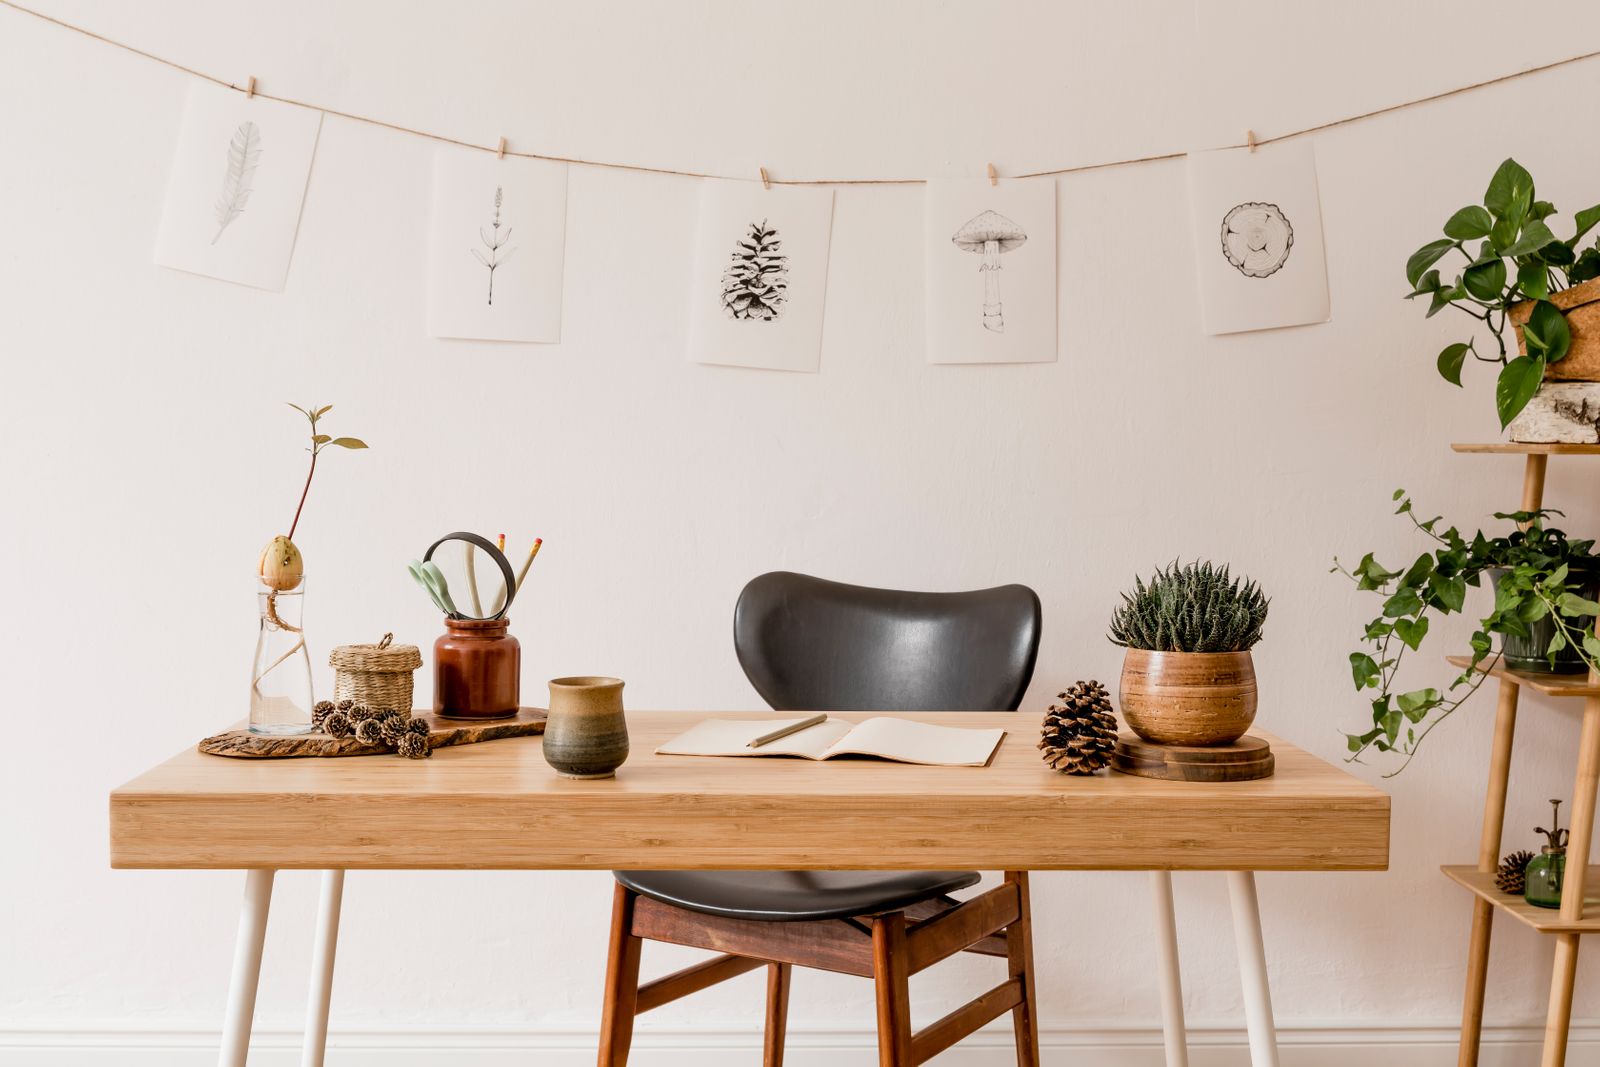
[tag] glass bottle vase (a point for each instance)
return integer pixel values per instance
(280, 680)
(1543, 877)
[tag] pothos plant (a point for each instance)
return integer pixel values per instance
(1517, 258)
(1541, 573)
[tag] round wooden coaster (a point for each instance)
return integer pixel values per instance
(1243, 760)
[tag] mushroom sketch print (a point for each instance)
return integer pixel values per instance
(1256, 239)
(244, 155)
(755, 285)
(495, 242)
(992, 234)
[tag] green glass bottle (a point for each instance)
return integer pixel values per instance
(1546, 871)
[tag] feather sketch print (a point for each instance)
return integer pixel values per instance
(244, 154)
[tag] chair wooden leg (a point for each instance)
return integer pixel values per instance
(622, 982)
(778, 975)
(890, 963)
(1019, 955)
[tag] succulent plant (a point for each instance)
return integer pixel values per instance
(1193, 608)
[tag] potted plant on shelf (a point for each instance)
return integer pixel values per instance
(1518, 273)
(1187, 676)
(1545, 601)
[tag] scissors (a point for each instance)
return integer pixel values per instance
(431, 578)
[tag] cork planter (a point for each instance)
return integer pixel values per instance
(1188, 698)
(1581, 306)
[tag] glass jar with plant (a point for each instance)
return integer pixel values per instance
(1545, 586)
(1508, 278)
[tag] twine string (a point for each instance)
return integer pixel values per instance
(499, 149)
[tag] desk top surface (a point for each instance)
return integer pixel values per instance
(499, 805)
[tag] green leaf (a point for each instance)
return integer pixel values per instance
(1573, 604)
(1533, 281)
(1404, 602)
(1419, 571)
(1363, 669)
(1591, 645)
(1411, 631)
(1487, 281)
(1511, 185)
(1541, 209)
(1450, 361)
(1428, 283)
(300, 409)
(1586, 220)
(1416, 704)
(1391, 725)
(1535, 235)
(1425, 257)
(1558, 641)
(324, 410)
(348, 442)
(1469, 222)
(1452, 592)
(1547, 332)
(1440, 300)
(1519, 380)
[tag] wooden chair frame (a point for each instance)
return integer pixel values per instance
(886, 948)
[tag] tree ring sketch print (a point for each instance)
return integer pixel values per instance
(993, 235)
(755, 284)
(1256, 239)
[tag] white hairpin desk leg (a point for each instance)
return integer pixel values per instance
(246, 968)
(1253, 969)
(322, 952)
(1172, 1027)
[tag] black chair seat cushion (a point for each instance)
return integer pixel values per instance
(794, 896)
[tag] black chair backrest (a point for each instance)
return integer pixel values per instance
(814, 645)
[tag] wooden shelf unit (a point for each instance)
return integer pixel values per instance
(1551, 685)
(1574, 918)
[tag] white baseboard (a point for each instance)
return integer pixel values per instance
(1301, 1046)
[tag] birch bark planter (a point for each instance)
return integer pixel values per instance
(1566, 409)
(1188, 698)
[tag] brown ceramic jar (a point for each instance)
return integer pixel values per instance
(477, 670)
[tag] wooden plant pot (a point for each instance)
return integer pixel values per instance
(1581, 305)
(1188, 698)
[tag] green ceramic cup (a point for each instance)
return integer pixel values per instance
(586, 735)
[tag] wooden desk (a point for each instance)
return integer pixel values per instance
(499, 806)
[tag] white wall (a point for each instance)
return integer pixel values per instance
(148, 454)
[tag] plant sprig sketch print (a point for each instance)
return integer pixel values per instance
(495, 242)
(244, 155)
(755, 284)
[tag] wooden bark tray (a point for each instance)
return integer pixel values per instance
(242, 744)
(1243, 760)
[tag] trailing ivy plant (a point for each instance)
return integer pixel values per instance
(1538, 582)
(1517, 258)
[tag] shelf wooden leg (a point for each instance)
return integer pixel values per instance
(1494, 817)
(1172, 1028)
(322, 951)
(1253, 969)
(246, 968)
(1559, 1014)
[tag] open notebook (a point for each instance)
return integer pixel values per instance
(886, 738)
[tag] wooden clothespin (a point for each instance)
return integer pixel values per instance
(766, 182)
(500, 153)
(1250, 139)
(994, 179)
(250, 88)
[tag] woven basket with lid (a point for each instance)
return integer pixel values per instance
(379, 676)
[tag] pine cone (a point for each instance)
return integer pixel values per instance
(1508, 878)
(360, 713)
(393, 728)
(320, 713)
(413, 746)
(418, 726)
(369, 732)
(338, 724)
(345, 705)
(1080, 732)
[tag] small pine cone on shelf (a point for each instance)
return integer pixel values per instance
(361, 713)
(413, 746)
(1510, 876)
(369, 732)
(393, 728)
(418, 726)
(338, 724)
(1079, 733)
(320, 713)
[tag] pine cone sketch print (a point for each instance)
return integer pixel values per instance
(755, 284)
